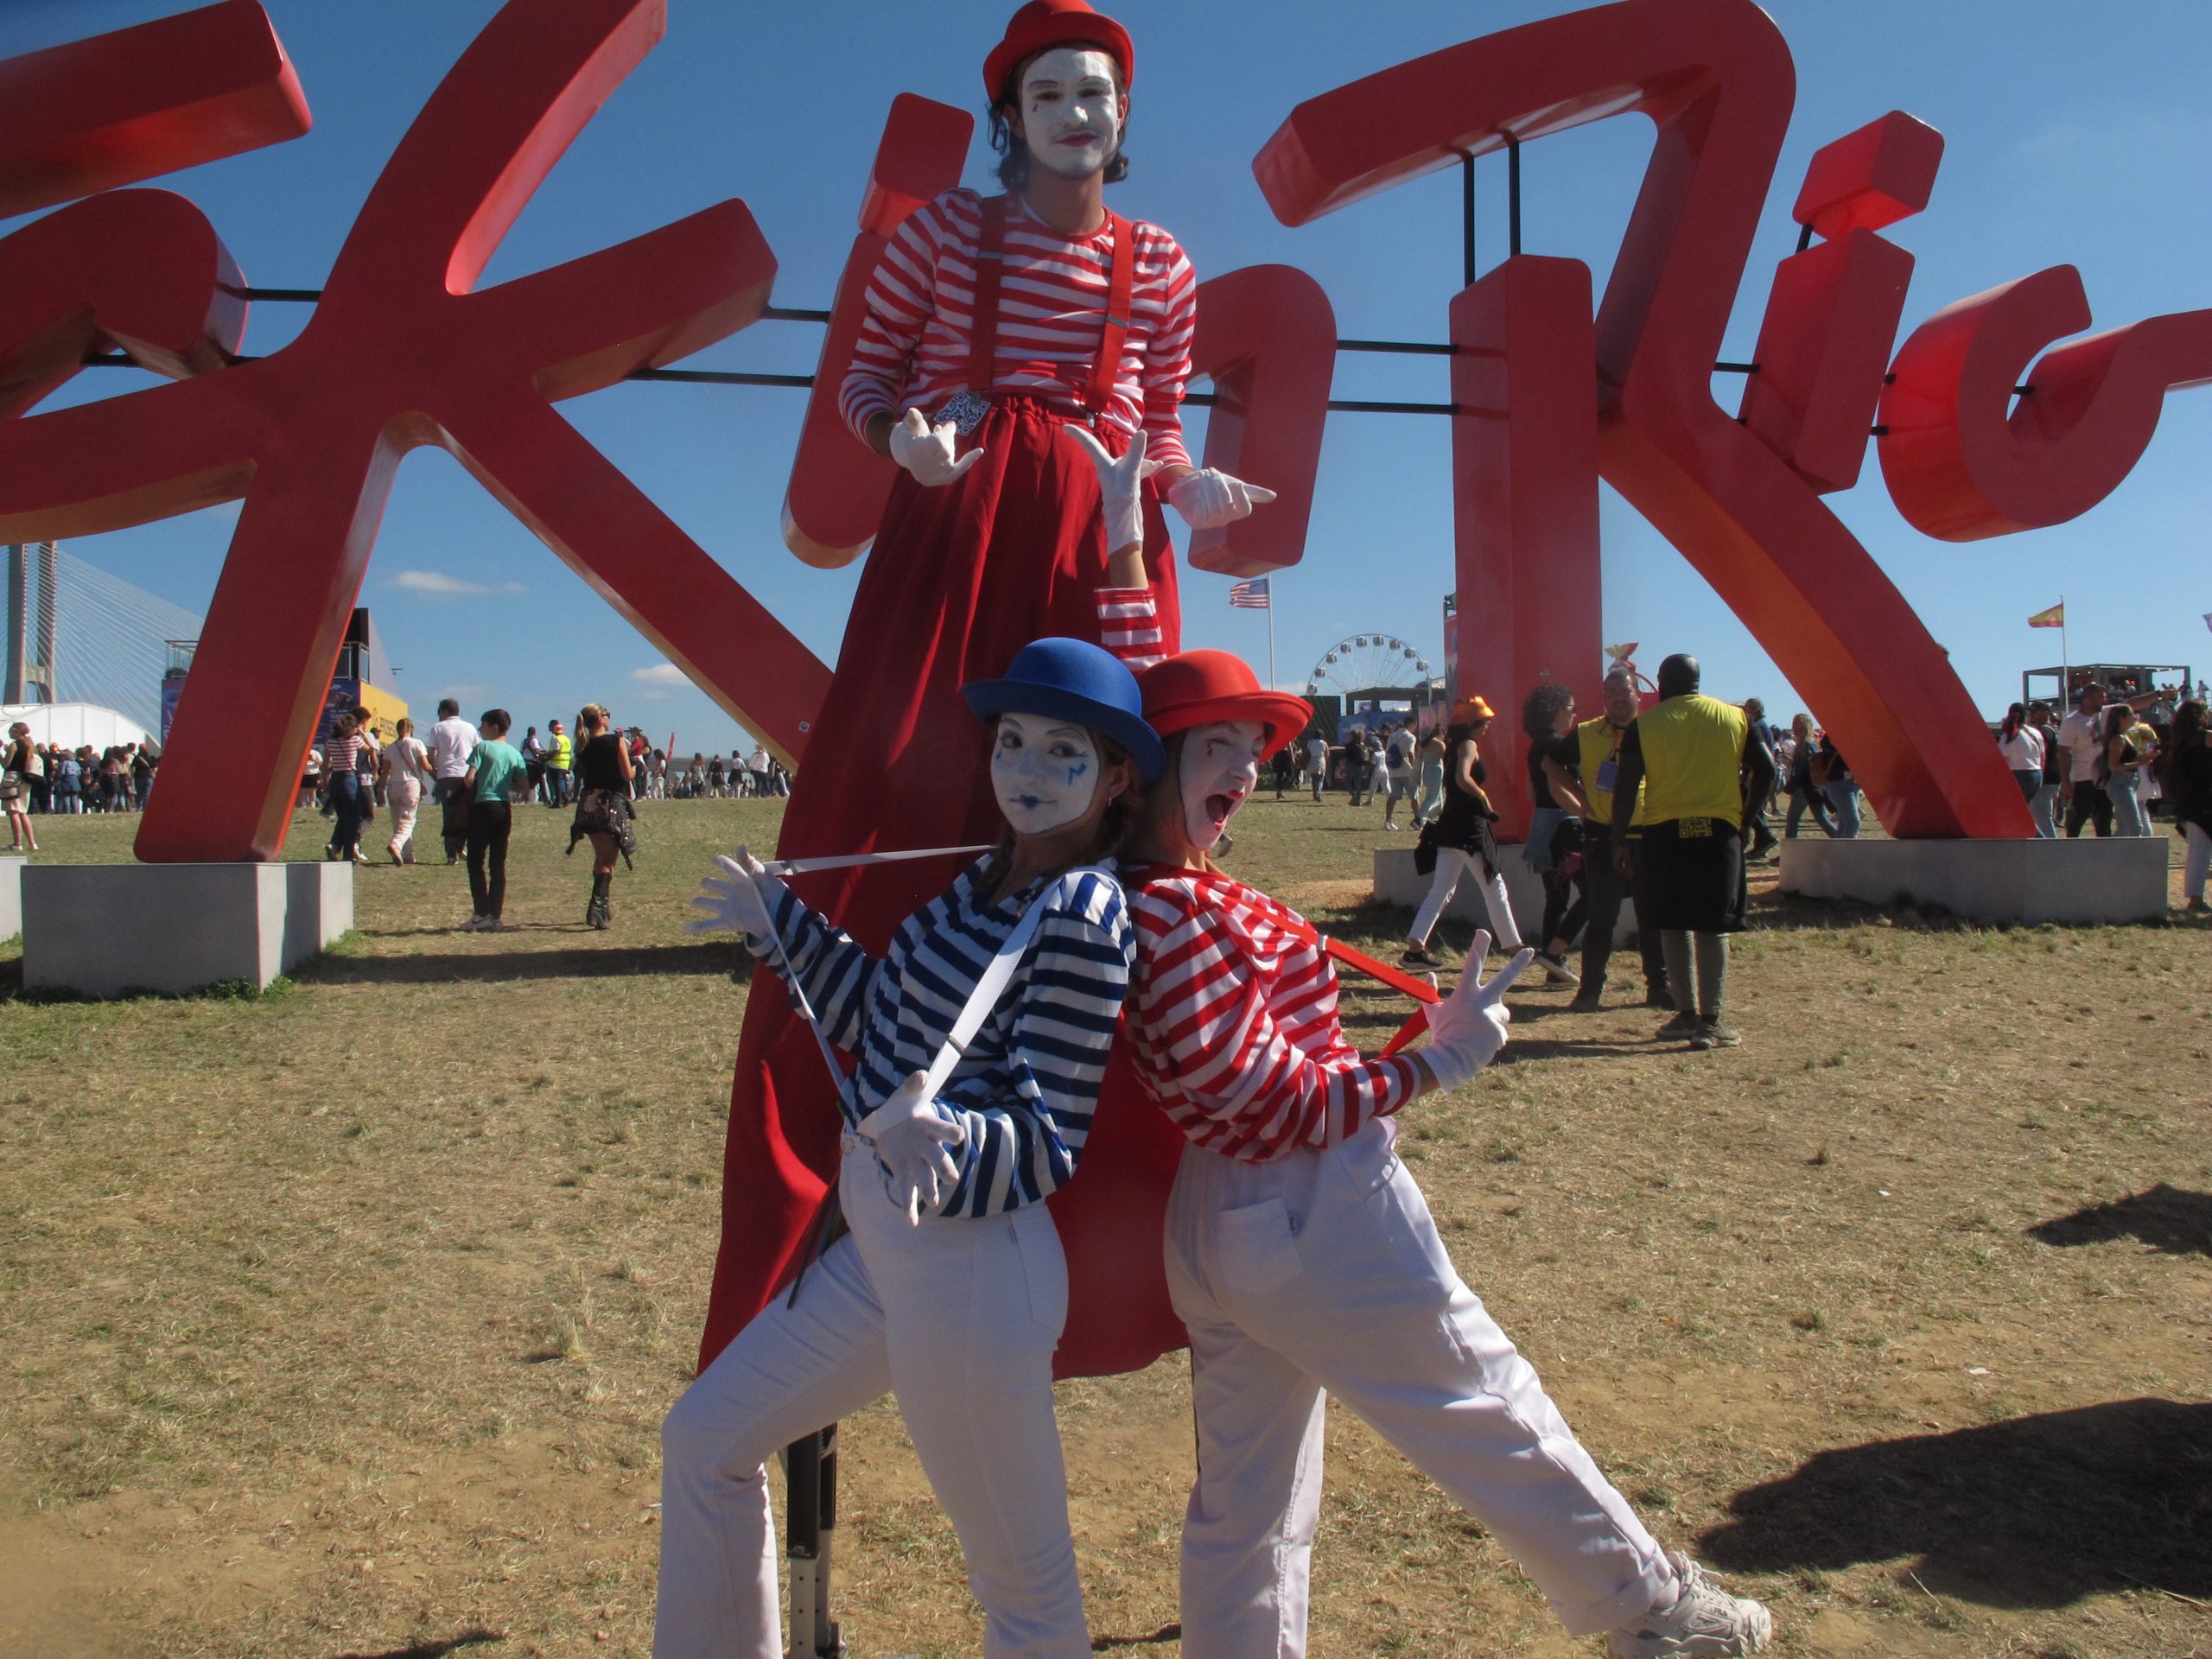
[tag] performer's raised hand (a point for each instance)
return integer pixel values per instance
(1119, 487)
(913, 1142)
(1209, 497)
(926, 451)
(736, 897)
(1467, 1029)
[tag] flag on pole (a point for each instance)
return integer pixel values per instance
(2053, 618)
(1251, 594)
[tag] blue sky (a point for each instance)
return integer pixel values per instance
(2074, 134)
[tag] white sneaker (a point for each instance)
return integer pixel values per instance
(1703, 1620)
(1555, 969)
(473, 924)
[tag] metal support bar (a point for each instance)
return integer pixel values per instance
(1735, 368)
(1804, 237)
(810, 1510)
(1406, 347)
(720, 377)
(1513, 194)
(1467, 217)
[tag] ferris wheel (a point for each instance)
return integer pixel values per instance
(1365, 663)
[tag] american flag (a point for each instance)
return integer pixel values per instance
(1250, 595)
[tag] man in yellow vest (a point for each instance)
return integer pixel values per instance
(1588, 789)
(1703, 778)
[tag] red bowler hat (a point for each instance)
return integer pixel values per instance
(1043, 24)
(1197, 687)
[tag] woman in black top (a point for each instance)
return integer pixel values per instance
(602, 807)
(2185, 774)
(1553, 849)
(1460, 838)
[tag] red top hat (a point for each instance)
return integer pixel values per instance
(1044, 23)
(1197, 687)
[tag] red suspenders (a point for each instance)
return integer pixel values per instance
(983, 333)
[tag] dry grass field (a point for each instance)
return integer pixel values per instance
(340, 1320)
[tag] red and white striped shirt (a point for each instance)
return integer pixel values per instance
(1129, 625)
(913, 345)
(1233, 1017)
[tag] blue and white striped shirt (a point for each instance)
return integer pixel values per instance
(1026, 1090)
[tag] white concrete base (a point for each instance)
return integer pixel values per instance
(1398, 882)
(2115, 879)
(11, 897)
(103, 929)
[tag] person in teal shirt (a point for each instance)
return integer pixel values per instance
(493, 767)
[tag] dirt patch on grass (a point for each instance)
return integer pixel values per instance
(341, 1320)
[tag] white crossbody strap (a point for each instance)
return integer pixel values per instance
(990, 985)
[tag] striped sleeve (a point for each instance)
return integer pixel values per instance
(1233, 1075)
(1023, 1142)
(1129, 625)
(901, 296)
(1167, 357)
(832, 968)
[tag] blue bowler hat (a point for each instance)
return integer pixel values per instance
(1073, 679)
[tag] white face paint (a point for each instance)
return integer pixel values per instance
(1071, 114)
(1220, 770)
(1045, 771)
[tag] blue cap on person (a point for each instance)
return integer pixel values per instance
(1073, 679)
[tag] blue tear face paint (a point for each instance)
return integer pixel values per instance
(1044, 772)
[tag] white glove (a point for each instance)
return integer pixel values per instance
(739, 900)
(1120, 498)
(1210, 499)
(926, 451)
(1467, 1029)
(911, 1141)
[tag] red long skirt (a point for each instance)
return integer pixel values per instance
(959, 579)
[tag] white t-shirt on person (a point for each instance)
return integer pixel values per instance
(2082, 738)
(2023, 751)
(452, 740)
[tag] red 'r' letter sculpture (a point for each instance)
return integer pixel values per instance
(1716, 78)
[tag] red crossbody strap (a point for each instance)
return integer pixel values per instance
(1121, 283)
(1419, 989)
(983, 325)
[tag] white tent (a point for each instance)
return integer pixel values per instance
(73, 725)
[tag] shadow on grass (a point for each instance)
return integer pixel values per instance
(433, 1650)
(2170, 1219)
(2034, 1513)
(718, 958)
(1159, 1637)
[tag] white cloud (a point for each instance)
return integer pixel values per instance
(437, 582)
(663, 675)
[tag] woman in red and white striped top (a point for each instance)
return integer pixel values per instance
(340, 756)
(1301, 1256)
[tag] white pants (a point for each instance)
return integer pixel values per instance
(960, 1318)
(2196, 861)
(1322, 1270)
(1452, 864)
(404, 796)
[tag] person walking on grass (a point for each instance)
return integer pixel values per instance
(406, 771)
(1691, 754)
(495, 767)
(452, 741)
(20, 763)
(341, 759)
(2186, 765)
(1460, 840)
(1555, 841)
(604, 774)
(1592, 776)
(2081, 734)
(1397, 772)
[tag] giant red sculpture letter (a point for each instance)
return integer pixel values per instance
(1716, 78)
(401, 353)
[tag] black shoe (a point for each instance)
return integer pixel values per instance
(599, 912)
(1658, 999)
(1586, 1000)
